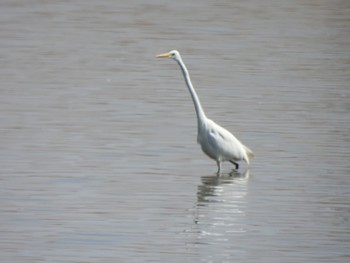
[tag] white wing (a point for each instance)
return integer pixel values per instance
(218, 143)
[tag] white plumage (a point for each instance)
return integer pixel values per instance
(216, 142)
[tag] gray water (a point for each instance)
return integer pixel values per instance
(99, 161)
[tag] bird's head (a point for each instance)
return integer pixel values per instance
(174, 54)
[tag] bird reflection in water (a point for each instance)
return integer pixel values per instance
(220, 211)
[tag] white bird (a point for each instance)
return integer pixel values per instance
(216, 142)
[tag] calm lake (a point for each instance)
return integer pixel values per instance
(98, 153)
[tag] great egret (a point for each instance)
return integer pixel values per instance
(216, 142)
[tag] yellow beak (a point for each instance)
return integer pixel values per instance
(164, 55)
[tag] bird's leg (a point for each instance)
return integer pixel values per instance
(219, 167)
(236, 164)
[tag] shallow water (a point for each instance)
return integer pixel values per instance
(98, 155)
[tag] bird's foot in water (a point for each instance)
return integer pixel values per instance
(235, 164)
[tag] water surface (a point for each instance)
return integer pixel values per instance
(97, 139)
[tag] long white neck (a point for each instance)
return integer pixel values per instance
(197, 104)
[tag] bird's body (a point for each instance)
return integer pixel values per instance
(216, 142)
(221, 145)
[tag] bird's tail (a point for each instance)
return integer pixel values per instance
(249, 153)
